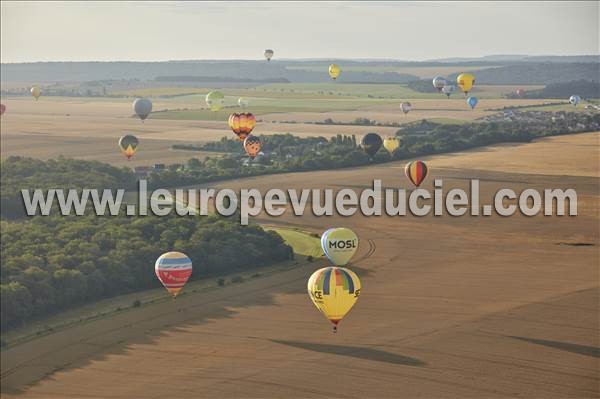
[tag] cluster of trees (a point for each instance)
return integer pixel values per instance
(422, 86)
(18, 173)
(283, 153)
(280, 143)
(425, 138)
(583, 88)
(52, 263)
(287, 153)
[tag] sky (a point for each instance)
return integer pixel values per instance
(161, 30)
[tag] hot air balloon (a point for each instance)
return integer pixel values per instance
(142, 108)
(173, 269)
(448, 90)
(465, 81)
(36, 92)
(215, 100)
(391, 144)
(242, 102)
(405, 107)
(371, 143)
(2, 109)
(520, 92)
(269, 54)
(416, 171)
(242, 124)
(128, 144)
(334, 291)
(334, 71)
(574, 99)
(339, 245)
(472, 101)
(439, 83)
(252, 146)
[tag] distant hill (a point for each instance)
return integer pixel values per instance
(536, 73)
(523, 58)
(524, 74)
(511, 69)
(240, 71)
(582, 88)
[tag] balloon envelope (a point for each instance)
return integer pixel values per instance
(215, 100)
(339, 245)
(391, 144)
(575, 99)
(173, 269)
(472, 101)
(334, 291)
(242, 124)
(371, 143)
(36, 92)
(242, 102)
(465, 81)
(142, 107)
(269, 54)
(405, 107)
(128, 144)
(438, 83)
(520, 92)
(334, 71)
(416, 172)
(252, 146)
(448, 90)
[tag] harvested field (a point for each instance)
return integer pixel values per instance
(450, 307)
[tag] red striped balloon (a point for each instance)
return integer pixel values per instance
(416, 171)
(173, 269)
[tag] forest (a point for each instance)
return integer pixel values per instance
(53, 263)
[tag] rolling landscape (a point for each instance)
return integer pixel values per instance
(458, 307)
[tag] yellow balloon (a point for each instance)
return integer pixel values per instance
(391, 144)
(215, 100)
(465, 81)
(36, 92)
(334, 71)
(334, 291)
(339, 245)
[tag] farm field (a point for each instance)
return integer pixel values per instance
(89, 128)
(453, 307)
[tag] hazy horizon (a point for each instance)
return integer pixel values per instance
(394, 31)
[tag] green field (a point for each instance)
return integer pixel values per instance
(303, 243)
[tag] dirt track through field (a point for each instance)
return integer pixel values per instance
(450, 307)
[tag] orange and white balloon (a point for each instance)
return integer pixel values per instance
(252, 146)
